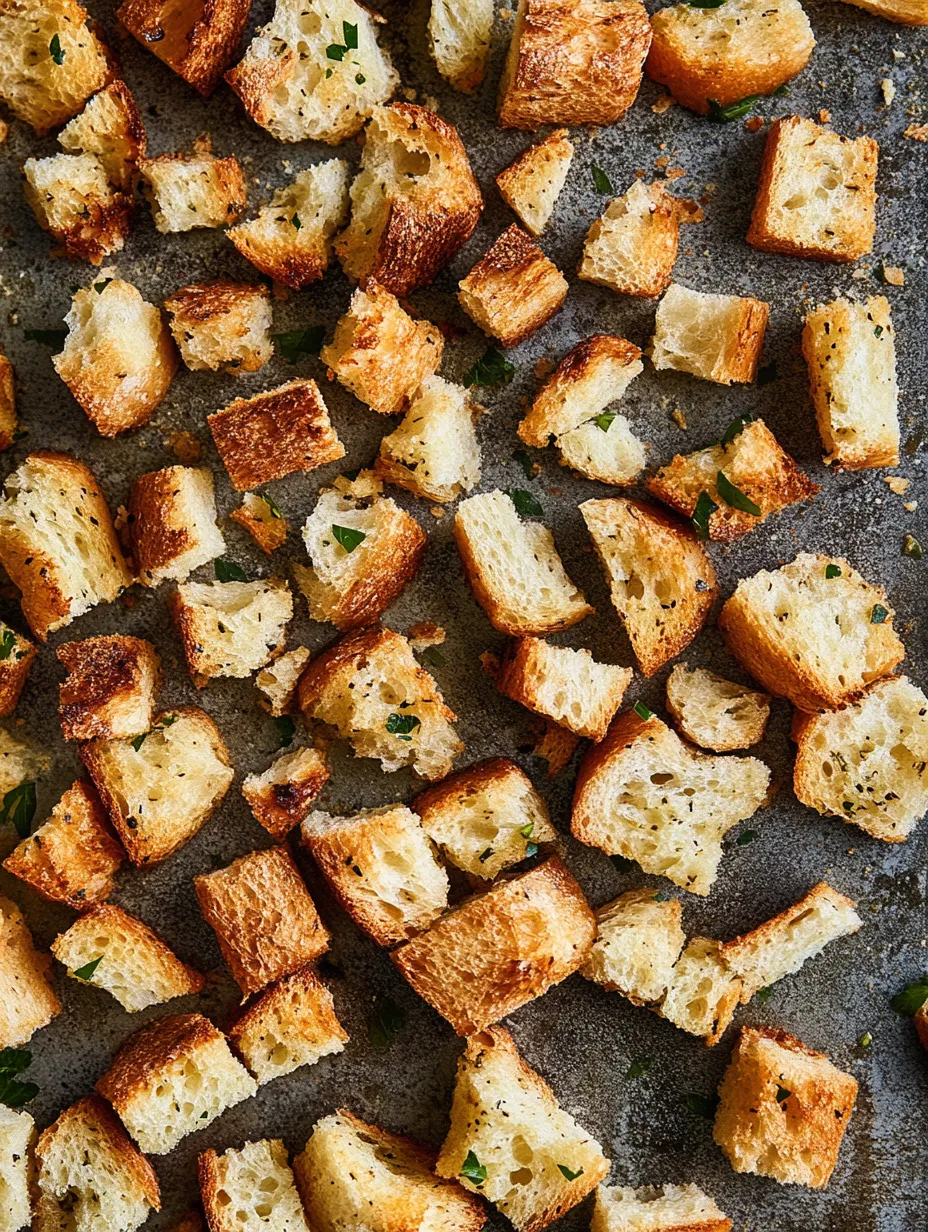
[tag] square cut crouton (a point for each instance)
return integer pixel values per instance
(414, 202)
(196, 41)
(514, 569)
(632, 247)
(639, 937)
(513, 290)
(867, 762)
(850, 352)
(16, 656)
(110, 128)
(292, 1023)
(74, 201)
(502, 948)
(813, 631)
(539, 1162)
(783, 1109)
(57, 541)
(644, 794)
(906, 12)
(764, 476)
(71, 858)
(532, 184)
(434, 452)
(9, 420)
(222, 324)
(715, 713)
(89, 1175)
(159, 789)
(703, 992)
(113, 950)
(27, 999)
(382, 869)
(660, 577)
(668, 1208)
(264, 919)
(172, 1078)
(816, 195)
(716, 337)
(250, 1187)
(194, 190)
(231, 628)
(281, 797)
(278, 681)
(17, 1133)
(485, 818)
(171, 524)
(263, 520)
(111, 687)
(573, 62)
(459, 36)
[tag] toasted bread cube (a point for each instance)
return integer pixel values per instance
(9, 420)
(263, 521)
(196, 41)
(194, 190)
(89, 1174)
(263, 917)
(111, 687)
(18, 762)
(172, 1078)
(278, 681)
(160, 789)
(222, 324)
(459, 35)
(434, 452)
(17, 1132)
(703, 992)
(513, 568)
(381, 868)
(16, 655)
(715, 713)
(73, 201)
(485, 818)
(816, 195)
(71, 858)
(126, 958)
(784, 1109)
(716, 337)
(414, 202)
(251, 1188)
(632, 248)
(573, 62)
(290, 239)
(282, 796)
(111, 128)
(514, 289)
(27, 999)
(850, 351)
(172, 523)
(380, 353)
(906, 12)
(706, 56)
(231, 628)
(507, 1117)
(639, 937)
(57, 541)
(499, 950)
(813, 631)
(644, 794)
(670, 1208)
(532, 184)
(660, 577)
(369, 687)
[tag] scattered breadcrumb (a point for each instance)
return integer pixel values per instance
(663, 161)
(678, 417)
(544, 368)
(437, 511)
(889, 91)
(663, 103)
(490, 663)
(910, 506)
(755, 124)
(917, 132)
(185, 447)
(824, 116)
(556, 746)
(893, 275)
(425, 634)
(897, 484)
(676, 173)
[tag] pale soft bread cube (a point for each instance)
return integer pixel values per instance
(906, 12)
(715, 713)
(197, 43)
(639, 937)
(73, 200)
(9, 420)
(459, 35)
(17, 1133)
(18, 762)
(16, 657)
(632, 247)
(668, 1208)
(251, 1189)
(231, 628)
(604, 448)
(282, 796)
(111, 687)
(263, 521)
(513, 290)
(716, 337)
(27, 999)
(532, 184)
(222, 324)
(186, 191)
(278, 681)
(703, 992)
(110, 128)
(171, 524)
(434, 452)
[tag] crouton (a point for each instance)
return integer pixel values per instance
(813, 631)
(783, 1109)
(573, 62)
(381, 868)
(197, 42)
(171, 523)
(89, 1175)
(639, 937)
(263, 917)
(159, 789)
(459, 36)
(380, 353)
(18, 762)
(716, 713)
(118, 359)
(222, 324)
(115, 951)
(716, 337)
(27, 999)
(231, 628)
(292, 1023)
(278, 681)
(906, 12)
(514, 289)
(57, 541)
(816, 194)
(290, 239)
(709, 57)
(555, 745)
(73, 200)
(632, 247)
(703, 992)
(263, 521)
(9, 420)
(281, 797)
(72, 857)
(172, 1078)
(660, 577)
(283, 88)
(16, 656)
(251, 1189)
(502, 948)
(535, 1162)
(110, 128)
(369, 687)
(434, 452)
(274, 434)
(669, 1208)
(570, 406)
(17, 1132)
(194, 190)
(513, 568)
(764, 477)
(485, 818)
(111, 687)
(851, 356)
(532, 184)
(644, 794)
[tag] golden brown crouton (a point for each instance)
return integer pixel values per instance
(716, 337)
(906, 12)
(110, 128)
(434, 452)
(263, 521)
(513, 290)
(110, 689)
(664, 1208)
(281, 797)
(531, 185)
(716, 713)
(632, 247)
(27, 999)
(197, 41)
(16, 656)
(639, 938)
(171, 523)
(222, 324)
(9, 420)
(231, 628)
(73, 201)
(250, 1186)
(459, 36)
(194, 190)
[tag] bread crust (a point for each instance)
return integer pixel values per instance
(514, 289)
(155, 536)
(9, 420)
(104, 675)
(279, 806)
(197, 42)
(150, 1049)
(14, 669)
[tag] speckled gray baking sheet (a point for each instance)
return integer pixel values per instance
(580, 1037)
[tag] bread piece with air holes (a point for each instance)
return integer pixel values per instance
(715, 337)
(57, 541)
(251, 1189)
(459, 36)
(715, 713)
(814, 631)
(27, 999)
(434, 452)
(532, 184)
(9, 420)
(231, 628)
(660, 577)
(703, 992)
(73, 200)
(639, 937)
(644, 794)
(16, 656)
(17, 1133)
(666, 1208)
(111, 687)
(485, 818)
(816, 194)
(171, 524)
(502, 948)
(539, 1162)
(159, 789)
(197, 42)
(282, 796)
(513, 290)
(72, 857)
(186, 191)
(278, 681)
(111, 128)
(222, 324)
(906, 12)
(783, 1109)
(172, 1078)
(18, 762)
(263, 521)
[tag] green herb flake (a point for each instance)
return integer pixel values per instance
(705, 4)
(705, 507)
(523, 457)
(525, 503)
(527, 829)
(866, 1040)
(767, 374)
(272, 508)
(336, 51)
(639, 1066)
(13, 1093)
(911, 999)
(604, 422)
(229, 571)
(642, 711)
(286, 730)
(911, 547)
(747, 837)
(832, 571)
(348, 537)
(764, 994)
(19, 808)
(567, 1174)
(360, 78)
(85, 972)
(732, 111)
(601, 181)
(783, 1094)
(736, 427)
(296, 222)
(878, 615)
(48, 337)
(702, 1105)
(877, 331)
(7, 642)
(385, 1022)
(297, 342)
(400, 725)
(55, 50)
(139, 741)
(473, 1169)
(492, 368)
(734, 496)
(350, 35)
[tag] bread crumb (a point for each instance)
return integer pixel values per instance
(824, 116)
(490, 663)
(425, 634)
(544, 367)
(663, 161)
(4, 130)
(754, 124)
(664, 103)
(910, 506)
(858, 274)
(678, 417)
(185, 447)
(889, 91)
(897, 484)
(917, 132)
(893, 275)
(676, 173)
(436, 511)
